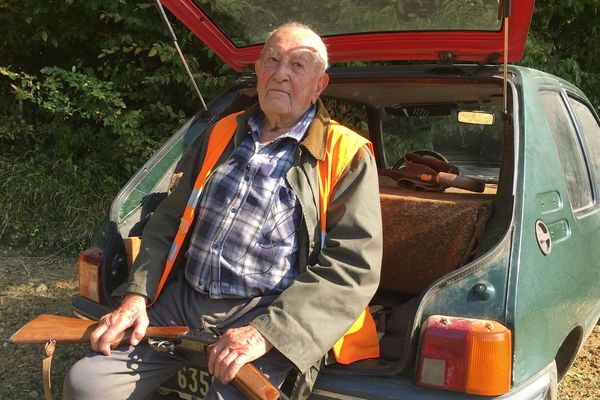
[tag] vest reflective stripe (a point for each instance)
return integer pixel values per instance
(220, 137)
(361, 340)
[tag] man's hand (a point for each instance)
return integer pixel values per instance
(235, 348)
(131, 313)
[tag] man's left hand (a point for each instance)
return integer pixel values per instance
(235, 348)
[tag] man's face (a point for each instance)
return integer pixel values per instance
(290, 75)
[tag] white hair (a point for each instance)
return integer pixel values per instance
(319, 44)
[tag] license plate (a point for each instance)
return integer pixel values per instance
(189, 382)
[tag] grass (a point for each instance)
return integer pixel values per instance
(49, 205)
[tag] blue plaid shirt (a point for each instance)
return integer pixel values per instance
(244, 244)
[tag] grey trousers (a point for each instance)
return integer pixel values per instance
(135, 372)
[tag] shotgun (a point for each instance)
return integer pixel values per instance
(50, 329)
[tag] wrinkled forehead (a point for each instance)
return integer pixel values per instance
(293, 43)
(304, 53)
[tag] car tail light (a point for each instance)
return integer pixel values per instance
(90, 274)
(465, 355)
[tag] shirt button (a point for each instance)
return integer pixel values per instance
(246, 178)
(215, 247)
(234, 210)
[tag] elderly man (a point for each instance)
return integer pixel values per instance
(284, 245)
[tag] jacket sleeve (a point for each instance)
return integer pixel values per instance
(306, 320)
(160, 230)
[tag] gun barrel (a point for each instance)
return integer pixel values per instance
(197, 341)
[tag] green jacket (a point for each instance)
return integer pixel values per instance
(334, 283)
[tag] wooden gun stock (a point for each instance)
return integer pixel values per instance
(254, 385)
(74, 330)
(249, 380)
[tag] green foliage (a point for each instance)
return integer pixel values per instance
(92, 87)
(89, 89)
(348, 114)
(563, 40)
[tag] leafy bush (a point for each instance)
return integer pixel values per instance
(88, 91)
(563, 41)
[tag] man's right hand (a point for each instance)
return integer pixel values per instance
(131, 313)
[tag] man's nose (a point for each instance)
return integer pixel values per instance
(282, 73)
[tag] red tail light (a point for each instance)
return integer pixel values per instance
(465, 355)
(90, 274)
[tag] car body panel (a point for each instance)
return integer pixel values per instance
(551, 295)
(466, 45)
(454, 294)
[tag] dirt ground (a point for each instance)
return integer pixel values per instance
(32, 286)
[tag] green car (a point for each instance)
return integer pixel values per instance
(491, 267)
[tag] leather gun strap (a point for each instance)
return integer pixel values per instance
(46, 368)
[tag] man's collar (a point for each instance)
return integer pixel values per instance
(296, 132)
(315, 139)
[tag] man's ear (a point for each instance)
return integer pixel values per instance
(321, 85)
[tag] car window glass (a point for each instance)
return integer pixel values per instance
(249, 22)
(569, 150)
(591, 132)
(475, 149)
(149, 186)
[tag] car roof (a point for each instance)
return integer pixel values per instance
(451, 30)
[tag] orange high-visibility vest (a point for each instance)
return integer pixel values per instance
(360, 341)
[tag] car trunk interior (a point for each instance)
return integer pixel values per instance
(427, 234)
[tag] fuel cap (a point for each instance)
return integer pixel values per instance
(544, 239)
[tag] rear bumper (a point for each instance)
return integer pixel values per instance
(354, 387)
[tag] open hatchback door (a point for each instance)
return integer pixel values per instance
(364, 30)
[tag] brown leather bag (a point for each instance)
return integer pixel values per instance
(431, 175)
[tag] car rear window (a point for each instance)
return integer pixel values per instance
(475, 149)
(248, 22)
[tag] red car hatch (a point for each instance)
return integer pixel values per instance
(377, 30)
